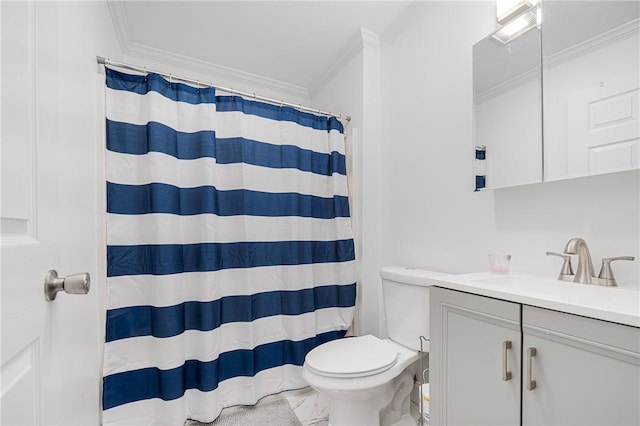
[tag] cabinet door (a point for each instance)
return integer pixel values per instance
(468, 358)
(586, 371)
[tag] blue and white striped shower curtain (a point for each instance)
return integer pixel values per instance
(229, 248)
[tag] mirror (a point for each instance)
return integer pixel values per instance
(508, 105)
(591, 87)
(587, 55)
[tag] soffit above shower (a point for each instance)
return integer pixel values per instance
(292, 42)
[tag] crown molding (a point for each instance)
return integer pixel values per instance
(361, 40)
(507, 85)
(624, 31)
(120, 23)
(370, 41)
(188, 63)
(348, 52)
(149, 53)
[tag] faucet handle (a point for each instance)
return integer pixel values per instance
(606, 273)
(567, 269)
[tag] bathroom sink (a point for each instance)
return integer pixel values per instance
(519, 281)
(615, 304)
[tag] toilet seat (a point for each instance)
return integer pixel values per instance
(352, 357)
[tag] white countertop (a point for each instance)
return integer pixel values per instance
(606, 303)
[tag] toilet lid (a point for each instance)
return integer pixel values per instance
(352, 357)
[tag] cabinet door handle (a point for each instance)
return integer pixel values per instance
(506, 374)
(531, 384)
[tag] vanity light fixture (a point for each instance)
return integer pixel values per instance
(506, 10)
(518, 21)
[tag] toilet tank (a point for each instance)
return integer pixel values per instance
(406, 304)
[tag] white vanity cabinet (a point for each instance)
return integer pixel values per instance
(586, 371)
(468, 358)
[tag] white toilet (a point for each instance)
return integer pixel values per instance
(369, 380)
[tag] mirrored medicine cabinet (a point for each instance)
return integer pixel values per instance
(560, 98)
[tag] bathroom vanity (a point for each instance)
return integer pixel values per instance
(517, 349)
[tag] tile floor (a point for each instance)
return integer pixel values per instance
(311, 408)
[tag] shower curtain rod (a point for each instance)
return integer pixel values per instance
(106, 61)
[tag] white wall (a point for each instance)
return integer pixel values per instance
(430, 218)
(354, 89)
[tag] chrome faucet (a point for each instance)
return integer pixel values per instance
(585, 273)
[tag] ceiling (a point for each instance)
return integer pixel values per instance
(293, 42)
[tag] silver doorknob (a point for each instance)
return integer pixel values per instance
(72, 284)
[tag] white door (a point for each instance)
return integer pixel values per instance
(604, 128)
(50, 365)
